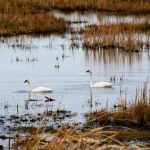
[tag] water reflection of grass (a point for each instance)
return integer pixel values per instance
(111, 56)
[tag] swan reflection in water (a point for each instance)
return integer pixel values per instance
(91, 99)
(37, 97)
(36, 92)
(93, 103)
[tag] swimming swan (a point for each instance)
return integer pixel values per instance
(99, 84)
(37, 89)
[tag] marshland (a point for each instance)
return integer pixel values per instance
(52, 43)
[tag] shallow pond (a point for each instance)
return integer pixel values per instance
(52, 61)
(70, 81)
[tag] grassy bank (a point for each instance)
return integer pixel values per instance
(97, 138)
(117, 6)
(120, 6)
(30, 24)
(17, 18)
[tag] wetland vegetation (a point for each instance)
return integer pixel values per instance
(53, 42)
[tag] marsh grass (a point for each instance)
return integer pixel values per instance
(119, 6)
(16, 17)
(35, 16)
(31, 24)
(97, 138)
(68, 139)
(124, 36)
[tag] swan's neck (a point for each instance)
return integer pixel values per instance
(29, 87)
(91, 81)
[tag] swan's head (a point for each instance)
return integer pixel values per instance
(27, 81)
(89, 71)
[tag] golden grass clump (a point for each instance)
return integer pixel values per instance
(129, 6)
(17, 17)
(30, 24)
(62, 140)
(139, 6)
(97, 138)
(125, 36)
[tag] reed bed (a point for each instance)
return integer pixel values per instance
(97, 138)
(70, 140)
(35, 16)
(31, 24)
(128, 6)
(124, 36)
(17, 18)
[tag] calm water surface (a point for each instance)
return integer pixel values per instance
(70, 81)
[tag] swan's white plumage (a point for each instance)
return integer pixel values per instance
(40, 89)
(101, 85)
(98, 84)
(37, 89)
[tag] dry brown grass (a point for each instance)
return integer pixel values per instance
(24, 17)
(129, 6)
(97, 138)
(62, 140)
(125, 36)
(30, 24)
(18, 18)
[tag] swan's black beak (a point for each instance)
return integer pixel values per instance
(25, 81)
(87, 71)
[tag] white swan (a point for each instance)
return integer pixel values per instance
(37, 89)
(99, 84)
